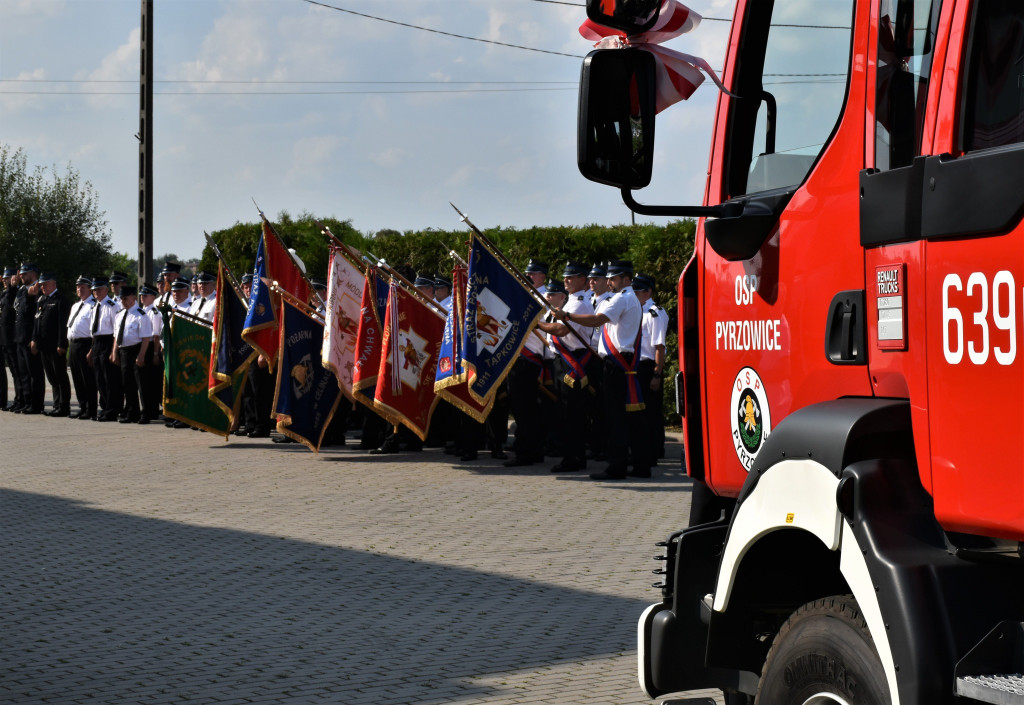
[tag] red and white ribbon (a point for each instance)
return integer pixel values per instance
(678, 74)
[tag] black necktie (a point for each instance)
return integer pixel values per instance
(202, 302)
(120, 330)
(96, 319)
(74, 314)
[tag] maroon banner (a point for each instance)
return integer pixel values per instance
(409, 351)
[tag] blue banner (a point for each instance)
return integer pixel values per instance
(500, 313)
(231, 353)
(260, 323)
(307, 393)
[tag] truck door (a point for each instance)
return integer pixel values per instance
(790, 146)
(972, 201)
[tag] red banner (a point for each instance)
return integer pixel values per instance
(366, 357)
(280, 267)
(409, 350)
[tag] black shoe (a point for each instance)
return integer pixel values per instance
(180, 424)
(606, 475)
(640, 472)
(102, 418)
(60, 413)
(259, 433)
(518, 462)
(82, 413)
(127, 419)
(569, 466)
(32, 410)
(283, 439)
(386, 449)
(241, 432)
(498, 454)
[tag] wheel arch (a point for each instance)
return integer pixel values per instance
(788, 541)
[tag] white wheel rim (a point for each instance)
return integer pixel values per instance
(825, 699)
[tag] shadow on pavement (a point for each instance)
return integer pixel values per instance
(118, 608)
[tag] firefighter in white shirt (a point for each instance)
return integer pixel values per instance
(79, 342)
(204, 306)
(134, 334)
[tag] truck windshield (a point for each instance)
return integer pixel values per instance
(792, 73)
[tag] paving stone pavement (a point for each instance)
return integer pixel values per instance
(149, 565)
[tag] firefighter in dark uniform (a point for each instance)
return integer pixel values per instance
(524, 386)
(167, 276)
(7, 360)
(50, 342)
(30, 366)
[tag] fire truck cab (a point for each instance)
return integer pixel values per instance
(851, 344)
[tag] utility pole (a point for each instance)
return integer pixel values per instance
(145, 136)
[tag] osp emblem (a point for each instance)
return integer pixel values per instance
(751, 417)
(302, 377)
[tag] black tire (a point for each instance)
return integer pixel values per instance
(824, 649)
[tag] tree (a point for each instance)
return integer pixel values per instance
(51, 219)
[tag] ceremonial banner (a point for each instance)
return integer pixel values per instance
(187, 343)
(230, 355)
(344, 296)
(451, 377)
(275, 263)
(409, 350)
(500, 312)
(366, 362)
(307, 394)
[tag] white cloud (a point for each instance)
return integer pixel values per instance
(122, 63)
(312, 158)
(31, 9)
(389, 158)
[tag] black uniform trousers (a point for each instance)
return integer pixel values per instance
(149, 378)
(523, 388)
(626, 429)
(82, 375)
(130, 381)
(30, 368)
(10, 353)
(573, 402)
(55, 366)
(108, 376)
(597, 437)
(653, 410)
(3, 380)
(261, 401)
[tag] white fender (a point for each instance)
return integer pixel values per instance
(801, 494)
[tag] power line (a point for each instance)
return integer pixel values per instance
(273, 93)
(257, 82)
(438, 31)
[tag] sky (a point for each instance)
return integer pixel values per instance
(304, 108)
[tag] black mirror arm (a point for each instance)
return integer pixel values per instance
(724, 210)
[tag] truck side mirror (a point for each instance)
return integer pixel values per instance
(631, 16)
(615, 131)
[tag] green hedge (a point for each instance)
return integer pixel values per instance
(660, 251)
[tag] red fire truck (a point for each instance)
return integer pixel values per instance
(851, 340)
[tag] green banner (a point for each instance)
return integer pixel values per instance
(187, 344)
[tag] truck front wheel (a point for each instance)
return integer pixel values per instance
(823, 655)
